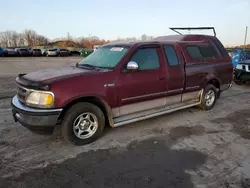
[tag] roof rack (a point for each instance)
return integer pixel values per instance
(192, 28)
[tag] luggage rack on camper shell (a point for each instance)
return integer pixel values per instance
(192, 28)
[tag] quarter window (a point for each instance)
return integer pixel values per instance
(207, 52)
(200, 52)
(147, 59)
(194, 52)
(171, 56)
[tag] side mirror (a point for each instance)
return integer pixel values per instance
(132, 66)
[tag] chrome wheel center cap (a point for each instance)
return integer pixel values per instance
(84, 125)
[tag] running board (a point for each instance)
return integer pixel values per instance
(160, 112)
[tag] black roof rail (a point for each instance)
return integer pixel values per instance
(192, 28)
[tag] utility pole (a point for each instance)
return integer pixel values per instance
(245, 41)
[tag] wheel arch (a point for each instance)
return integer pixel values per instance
(214, 82)
(105, 108)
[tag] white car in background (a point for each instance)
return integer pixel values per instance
(52, 52)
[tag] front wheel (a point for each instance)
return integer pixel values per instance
(209, 97)
(83, 123)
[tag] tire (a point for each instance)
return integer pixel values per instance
(218, 94)
(238, 82)
(210, 90)
(73, 115)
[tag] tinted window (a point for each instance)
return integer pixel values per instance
(171, 55)
(36, 50)
(207, 52)
(219, 45)
(194, 52)
(147, 59)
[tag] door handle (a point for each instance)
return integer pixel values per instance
(161, 78)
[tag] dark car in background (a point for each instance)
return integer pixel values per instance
(1, 52)
(10, 52)
(35, 52)
(242, 72)
(63, 52)
(22, 52)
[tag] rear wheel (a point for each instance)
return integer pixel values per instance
(209, 97)
(83, 123)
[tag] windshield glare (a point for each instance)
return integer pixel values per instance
(105, 57)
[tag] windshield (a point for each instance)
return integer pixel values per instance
(105, 57)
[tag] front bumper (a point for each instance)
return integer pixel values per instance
(52, 54)
(34, 118)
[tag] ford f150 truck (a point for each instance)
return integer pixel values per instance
(121, 83)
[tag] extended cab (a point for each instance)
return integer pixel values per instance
(121, 83)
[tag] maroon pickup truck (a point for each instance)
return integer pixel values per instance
(121, 83)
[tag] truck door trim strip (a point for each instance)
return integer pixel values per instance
(143, 96)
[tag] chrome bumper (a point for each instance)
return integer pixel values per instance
(31, 117)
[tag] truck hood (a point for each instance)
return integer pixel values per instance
(58, 73)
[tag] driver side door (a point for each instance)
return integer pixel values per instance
(144, 88)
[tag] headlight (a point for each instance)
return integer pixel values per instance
(238, 66)
(40, 99)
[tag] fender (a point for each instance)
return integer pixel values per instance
(97, 100)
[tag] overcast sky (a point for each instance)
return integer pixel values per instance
(110, 19)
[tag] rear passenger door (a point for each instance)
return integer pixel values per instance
(175, 73)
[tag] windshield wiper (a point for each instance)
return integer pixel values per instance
(86, 65)
(92, 66)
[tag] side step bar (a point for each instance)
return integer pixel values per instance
(160, 112)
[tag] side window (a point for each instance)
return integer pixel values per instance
(207, 52)
(194, 52)
(221, 47)
(147, 59)
(171, 55)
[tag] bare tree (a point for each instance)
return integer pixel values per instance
(21, 40)
(5, 38)
(14, 38)
(41, 40)
(30, 37)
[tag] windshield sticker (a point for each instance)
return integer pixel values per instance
(117, 49)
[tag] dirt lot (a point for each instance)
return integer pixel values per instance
(189, 148)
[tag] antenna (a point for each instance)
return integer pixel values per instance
(192, 28)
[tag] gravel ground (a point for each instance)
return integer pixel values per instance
(190, 148)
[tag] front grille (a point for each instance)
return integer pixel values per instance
(22, 94)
